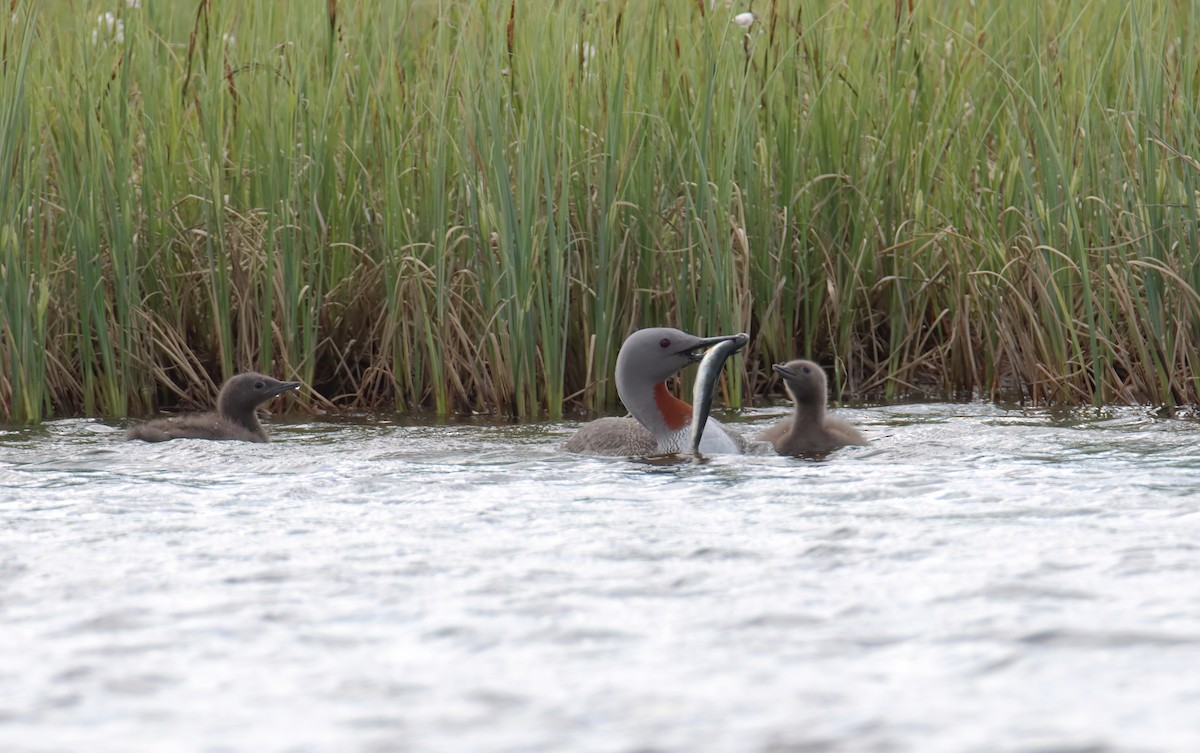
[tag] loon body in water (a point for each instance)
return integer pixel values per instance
(659, 423)
(808, 430)
(235, 418)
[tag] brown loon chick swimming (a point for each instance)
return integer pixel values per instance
(234, 420)
(660, 423)
(809, 430)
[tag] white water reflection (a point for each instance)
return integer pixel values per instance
(975, 580)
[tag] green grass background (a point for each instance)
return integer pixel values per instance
(466, 205)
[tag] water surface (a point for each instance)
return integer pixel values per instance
(978, 579)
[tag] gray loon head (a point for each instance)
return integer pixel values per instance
(243, 393)
(805, 382)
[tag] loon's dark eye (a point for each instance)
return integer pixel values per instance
(259, 385)
(806, 370)
(665, 343)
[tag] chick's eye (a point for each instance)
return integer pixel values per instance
(259, 385)
(806, 370)
(664, 343)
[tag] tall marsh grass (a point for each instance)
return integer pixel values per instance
(466, 205)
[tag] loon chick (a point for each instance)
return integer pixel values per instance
(809, 430)
(235, 418)
(659, 423)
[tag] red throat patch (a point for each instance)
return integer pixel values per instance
(676, 413)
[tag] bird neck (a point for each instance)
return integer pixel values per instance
(810, 409)
(666, 417)
(247, 419)
(675, 413)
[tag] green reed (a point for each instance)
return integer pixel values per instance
(466, 206)
(23, 288)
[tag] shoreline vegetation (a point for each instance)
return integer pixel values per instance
(465, 206)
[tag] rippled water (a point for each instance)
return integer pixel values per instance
(976, 580)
